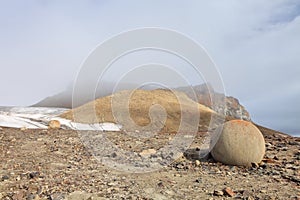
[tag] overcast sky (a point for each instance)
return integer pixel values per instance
(254, 43)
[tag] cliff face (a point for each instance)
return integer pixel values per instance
(235, 109)
(229, 106)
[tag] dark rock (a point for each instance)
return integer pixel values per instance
(4, 177)
(113, 155)
(32, 175)
(160, 184)
(199, 180)
(293, 143)
(254, 165)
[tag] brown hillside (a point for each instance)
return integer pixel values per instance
(140, 103)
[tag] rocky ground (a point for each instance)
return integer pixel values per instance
(54, 164)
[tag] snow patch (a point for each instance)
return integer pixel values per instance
(39, 118)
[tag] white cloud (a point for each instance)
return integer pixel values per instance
(254, 43)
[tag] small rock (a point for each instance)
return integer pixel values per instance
(147, 153)
(289, 166)
(54, 124)
(255, 165)
(229, 192)
(285, 148)
(268, 145)
(199, 180)
(109, 190)
(160, 184)
(218, 193)
(197, 163)
(274, 172)
(4, 177)
(263, 191)
(32, 175)
(114, 155)
(23, 129)
(290, 142)
(111, 184)
(270, 161)
(263, 165)
(57, 196)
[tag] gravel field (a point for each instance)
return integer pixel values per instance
(55, 164)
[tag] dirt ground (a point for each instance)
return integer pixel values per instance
(55, 164)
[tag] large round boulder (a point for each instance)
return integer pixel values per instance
(240, 143)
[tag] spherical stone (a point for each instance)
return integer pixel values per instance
(54, 124)
(240, 143)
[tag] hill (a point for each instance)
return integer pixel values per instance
(203, 92)
(142, 112)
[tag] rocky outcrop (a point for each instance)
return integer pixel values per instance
(235, 109)
(226, 105)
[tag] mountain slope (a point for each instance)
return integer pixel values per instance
(204, 95)
(147, 108)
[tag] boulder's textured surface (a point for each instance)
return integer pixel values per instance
(240, 143)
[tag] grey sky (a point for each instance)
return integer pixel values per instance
(254, 43)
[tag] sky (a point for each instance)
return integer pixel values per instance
(255, 45)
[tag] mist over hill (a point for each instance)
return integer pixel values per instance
(64, 98)
(203, 93)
